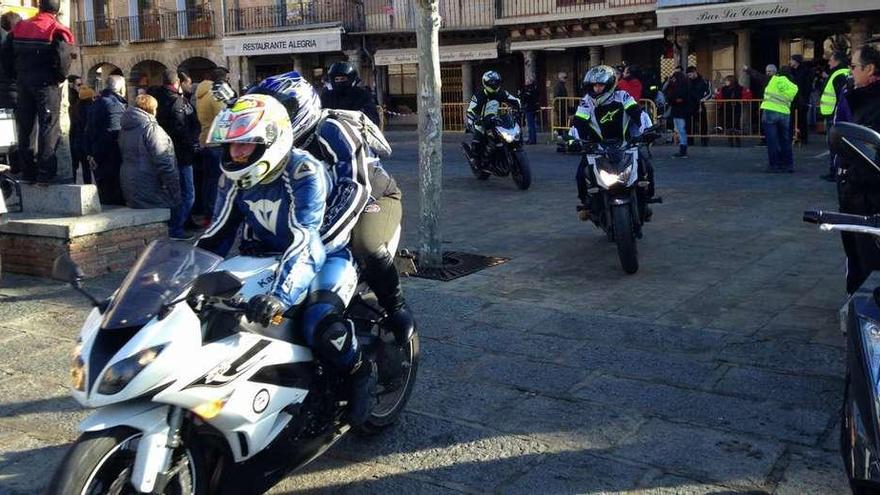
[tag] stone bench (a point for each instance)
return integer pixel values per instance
(68, 219)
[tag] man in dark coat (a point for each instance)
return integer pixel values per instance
(858, 183)
(102, 140)
(37, 52)
(178, 118)
(530, 96)
(802, 75)
(699, 91)
(345, 94)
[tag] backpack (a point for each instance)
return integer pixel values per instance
(370, 132)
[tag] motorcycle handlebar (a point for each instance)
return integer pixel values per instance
(834, 218)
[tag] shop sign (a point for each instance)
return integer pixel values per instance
(283, 43)
(756, 9)
(452, 53)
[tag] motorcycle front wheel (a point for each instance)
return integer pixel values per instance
(397, 367)
(624, 236)
(101, 462)
(520, 170)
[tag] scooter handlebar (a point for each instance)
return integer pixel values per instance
(834, 218)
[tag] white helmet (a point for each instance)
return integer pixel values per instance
(258, 119)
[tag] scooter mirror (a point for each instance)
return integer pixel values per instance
(855, 143)
(64, 268)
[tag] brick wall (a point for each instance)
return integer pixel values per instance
(96, 254)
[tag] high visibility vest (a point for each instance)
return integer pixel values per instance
(828, 102)
(779, 94)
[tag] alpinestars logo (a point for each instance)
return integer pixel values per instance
(608, 116)
(339, 343)
(266, 212)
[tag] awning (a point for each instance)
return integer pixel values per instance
(603, 40)
(450, 53)
(751, 10)
(307, 41)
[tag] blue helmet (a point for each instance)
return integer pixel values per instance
(298, 97)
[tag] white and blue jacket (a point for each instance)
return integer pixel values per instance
(283, 216)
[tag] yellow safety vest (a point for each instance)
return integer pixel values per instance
(828, 102)
(779, 94)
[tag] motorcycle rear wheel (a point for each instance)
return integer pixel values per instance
(624, 235)
(397, 369)
(101, 463)
(520, 170)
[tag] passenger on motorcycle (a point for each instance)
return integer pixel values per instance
(477, 118)
(606, 114)
(276, 196)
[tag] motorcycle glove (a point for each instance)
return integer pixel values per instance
(262, 308)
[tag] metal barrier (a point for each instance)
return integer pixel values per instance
(733, 120)
(563, 109)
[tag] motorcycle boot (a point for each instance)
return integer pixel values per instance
(362, 392)
(381, 275)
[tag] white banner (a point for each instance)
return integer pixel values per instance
(757, 9)
(453, 53)
(326, 40)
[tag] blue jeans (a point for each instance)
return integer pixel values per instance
(180, 214)
(210, 176)
(533, 127)
(681, 129)
(777, 130)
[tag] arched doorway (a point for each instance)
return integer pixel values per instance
(198, 68)
(96, 78)
(146, 73)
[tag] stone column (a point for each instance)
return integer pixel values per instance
(683, 47)
(298, 64)
(858, 33)
(381, 83)
(530, 66)
(467, 81)
(743, 54)
(244, 75)
(355, 59)
(595, 55)
(784, 52)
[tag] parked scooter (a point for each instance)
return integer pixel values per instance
(503, 154)
(860, 322)
(617, 190)
(192, 398)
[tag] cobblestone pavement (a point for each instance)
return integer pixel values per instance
(716, 369)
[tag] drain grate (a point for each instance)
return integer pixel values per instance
(455, 265)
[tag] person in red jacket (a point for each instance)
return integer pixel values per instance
(731, 111)
(631, 83)
(37, 52)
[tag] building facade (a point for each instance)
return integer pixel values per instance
(521, 39)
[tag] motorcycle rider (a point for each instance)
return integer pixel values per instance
(366, 203)
(605, 114)
(345, 94)
(276, 195)
(478, 119)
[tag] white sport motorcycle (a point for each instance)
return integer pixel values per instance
(193, 398)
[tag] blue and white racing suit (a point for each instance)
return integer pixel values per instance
(285, 216)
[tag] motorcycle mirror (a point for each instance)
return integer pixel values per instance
(855, 143)
(64, 268)
(216, 284)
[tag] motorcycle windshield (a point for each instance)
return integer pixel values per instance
(161, 274)
(615, 160)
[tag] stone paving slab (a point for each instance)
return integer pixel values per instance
(716, 369)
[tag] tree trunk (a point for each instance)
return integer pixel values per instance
(430, 134)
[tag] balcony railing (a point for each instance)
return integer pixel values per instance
(293, 14)
(565, 8)
(183, 24)
(402, 15)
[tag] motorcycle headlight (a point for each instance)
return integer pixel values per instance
(506, 135)
(77, 368)
(120, 374)
(607, 179)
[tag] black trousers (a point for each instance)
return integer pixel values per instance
(41, 106)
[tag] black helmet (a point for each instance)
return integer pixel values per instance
(342, 70)
(601, 74)
(491, 81)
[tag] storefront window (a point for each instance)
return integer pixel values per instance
(403, 79)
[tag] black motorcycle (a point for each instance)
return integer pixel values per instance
(618, 191)
(504, 154)
(860, 321)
